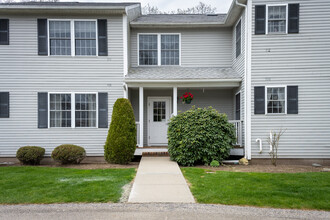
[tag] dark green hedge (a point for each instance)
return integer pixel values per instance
(30, 155)
(68, 154)
(199, 136)
(121, 141)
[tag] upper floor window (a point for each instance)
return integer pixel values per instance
(159, 49)
(4, 31)
(60, 37)
(170, 49)
(238, 32)
(65, 35)
(277, 18)
(148, 50)
(85, 37)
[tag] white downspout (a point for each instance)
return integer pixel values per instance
(260, 144)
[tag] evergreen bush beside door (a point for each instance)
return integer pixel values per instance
(121, 141)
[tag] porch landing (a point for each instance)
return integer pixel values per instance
(159, 179)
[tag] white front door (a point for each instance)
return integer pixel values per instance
(159, 113)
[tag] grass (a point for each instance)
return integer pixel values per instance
(278, 190)
(61, 185)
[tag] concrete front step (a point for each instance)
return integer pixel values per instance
(155, 154)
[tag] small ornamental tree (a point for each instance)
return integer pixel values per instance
(199, 136)
(121, 141)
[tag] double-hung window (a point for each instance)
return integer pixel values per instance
(276, 100)
(60, 110)
(170, 50)
(72, 109)
(148, 49)
(85, 38)
(85, 110)
(72, 37)
(60, 37)
(159, 49)
(277, 19)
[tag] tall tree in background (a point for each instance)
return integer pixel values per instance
(201, 8)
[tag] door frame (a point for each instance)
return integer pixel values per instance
(149, 98)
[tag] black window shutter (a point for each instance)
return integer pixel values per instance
(4, 104)
(4, 31)
(42, 37)
(259, 100)
(292, 99)
(260, 19)
(42, 110)
(102, 37)
(293, 16)
(103, 109)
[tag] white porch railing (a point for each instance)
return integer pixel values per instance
(237, 124)
(238, 131)
(137, 132)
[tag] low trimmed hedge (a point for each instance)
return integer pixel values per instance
(30, 155)
(68, 154)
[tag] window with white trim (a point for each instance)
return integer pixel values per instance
(85, 110)
(276, 99)
(60, 110)
(72, 37)
(148, 50)
(72, 109)
(159, 49)
(170, 50)
(276, 19)
(85, 38)
(60, 37)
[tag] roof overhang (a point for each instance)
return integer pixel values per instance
(197, 83)
(64, 9)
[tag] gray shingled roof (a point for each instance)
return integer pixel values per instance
(83, 4)
(178, 73)
(179, 19)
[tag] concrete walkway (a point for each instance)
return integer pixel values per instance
(159, 179)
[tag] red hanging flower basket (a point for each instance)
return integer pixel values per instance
(187, 97)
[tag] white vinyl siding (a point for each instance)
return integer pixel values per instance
(24, 74)
(202, 47)
(301, 60)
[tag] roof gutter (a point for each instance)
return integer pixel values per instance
(180, 80)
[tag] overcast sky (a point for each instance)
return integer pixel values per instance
(168, 5)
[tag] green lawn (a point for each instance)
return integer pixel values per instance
(60, 185)
(278, 190)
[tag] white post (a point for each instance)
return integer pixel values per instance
(141, 115)
(175, 101)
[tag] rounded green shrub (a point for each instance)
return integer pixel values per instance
(68, 154)
(121, 141)
(30, 155)
(199, 136)
(215, 163)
